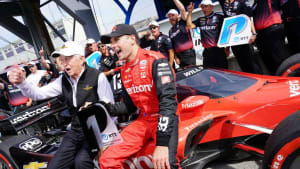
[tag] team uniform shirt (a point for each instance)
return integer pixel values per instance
(53, 70)
(108, 62)
(54, 89)
(146, 43)
(266, 13)
(180, 37)
(3, 101)
(235, 8)
(291, 10)
(149, 81)
(15, 96)
(162, 44)
(210, 28)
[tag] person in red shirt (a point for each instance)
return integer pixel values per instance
(148, 79)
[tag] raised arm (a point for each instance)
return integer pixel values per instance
(180, 6)
(189, 22)
(43, 61)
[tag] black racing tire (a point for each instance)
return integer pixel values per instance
(290, 67)
(282, 149)
(6, 161)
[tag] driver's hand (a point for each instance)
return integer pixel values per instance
(161, 157)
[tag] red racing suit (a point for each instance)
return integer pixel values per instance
(149, 81)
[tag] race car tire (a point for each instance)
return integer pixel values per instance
(5, 145)
(6, 162)
(282, 149)
(290, 67)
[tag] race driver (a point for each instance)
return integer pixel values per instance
(149, 81)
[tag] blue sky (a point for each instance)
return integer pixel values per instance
(107, 9)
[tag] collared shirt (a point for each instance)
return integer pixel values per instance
(162, 44)
(180, 37)
(266, 13)
(210, 28)
(55, 88)
(236, 7)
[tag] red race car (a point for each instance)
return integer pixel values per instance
(223, 112)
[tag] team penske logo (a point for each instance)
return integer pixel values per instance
(31, 144)
(140, 88)
(29, 114)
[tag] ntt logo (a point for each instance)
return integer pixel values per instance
(104, 137)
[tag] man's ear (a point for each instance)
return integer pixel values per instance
(82, 59)
(133, 38)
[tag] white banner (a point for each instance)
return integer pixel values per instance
(195, 35)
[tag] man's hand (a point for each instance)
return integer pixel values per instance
(86, 104)
(190, 8)
(16, 76)
(252, 38)
(41, 52)
(161, 157)
(177, 60)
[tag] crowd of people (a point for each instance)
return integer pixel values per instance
(149, 63)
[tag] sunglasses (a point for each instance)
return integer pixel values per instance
(153, 27)
(30, 66)
(101, 46)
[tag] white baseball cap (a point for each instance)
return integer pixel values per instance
(153, 23)
(172, 11)
(206, 2)
(70, 48)
(90, 41)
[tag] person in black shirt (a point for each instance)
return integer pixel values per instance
(270, 33)
(291, 20)
(146, 40)
(108, 59)
(50, 67)
(243, 53)
(210, 27)
(162, 42)
(3, 97)
(180, 36)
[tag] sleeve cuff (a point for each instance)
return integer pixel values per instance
(162, 140)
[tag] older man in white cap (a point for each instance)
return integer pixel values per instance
(180, 36)
(80, 85)
(210, 27)
(162, 42)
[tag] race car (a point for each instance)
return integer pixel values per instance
(221, 112)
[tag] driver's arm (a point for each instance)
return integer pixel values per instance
(163, 77)
(123, 107)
